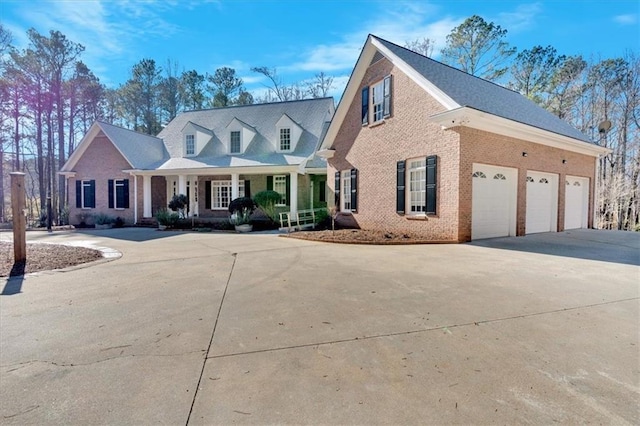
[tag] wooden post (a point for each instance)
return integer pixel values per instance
(19, 220)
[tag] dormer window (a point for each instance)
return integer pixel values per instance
(235, 146)
(285, 139)
(190, 145)
(238, 137)
(288, 134)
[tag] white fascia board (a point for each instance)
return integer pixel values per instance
(217, 171)
(475, 119)
(67, 174)
(350, 91)
(418, 78)
(82, 147)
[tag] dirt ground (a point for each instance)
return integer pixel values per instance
(44, 257)
(360, 236)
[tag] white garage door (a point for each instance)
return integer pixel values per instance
(493, 209)
(576, 204)
(542, 202)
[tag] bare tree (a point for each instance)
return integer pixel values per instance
(320, 86)
(422, 46)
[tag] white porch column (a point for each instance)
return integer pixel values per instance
(135, 199)
(146, 196)
(182, 184)
(293, 192)
(235, 186)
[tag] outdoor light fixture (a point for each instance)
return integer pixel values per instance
(524, 153)
(564, 161)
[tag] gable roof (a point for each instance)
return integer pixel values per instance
(310, 114)
(143, 152)
(458, 91)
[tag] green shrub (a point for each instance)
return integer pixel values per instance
(102, 219)
(267, 201)
(167, 218)
(179, 203)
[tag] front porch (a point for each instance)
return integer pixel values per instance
(209, 194)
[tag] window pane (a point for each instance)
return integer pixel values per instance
(346, 190)
(191, 145)
(417, 185)
(235, 143)
(280, 186)
(285, 139)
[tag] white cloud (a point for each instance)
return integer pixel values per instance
(407, 22)
(628, 19)
(522, 18)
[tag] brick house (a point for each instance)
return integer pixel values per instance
(213, 156)
(416, 145)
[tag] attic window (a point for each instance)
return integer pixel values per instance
(285, 139)
(235, 145)
(376, 99)
(190, 145)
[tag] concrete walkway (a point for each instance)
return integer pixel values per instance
(208, 328)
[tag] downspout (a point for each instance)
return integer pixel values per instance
(135, 199)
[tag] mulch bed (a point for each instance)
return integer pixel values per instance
(363, 236)
(44, 257)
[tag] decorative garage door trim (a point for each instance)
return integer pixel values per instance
(493, 204)
(542, 202)
(576, 203)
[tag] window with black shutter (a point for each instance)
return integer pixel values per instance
(85, 194)
(337, 190)
(354, 190)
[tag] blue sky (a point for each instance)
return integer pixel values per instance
(302, 38)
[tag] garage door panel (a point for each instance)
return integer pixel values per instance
(493, 201)
(576, 208)
(542, 196)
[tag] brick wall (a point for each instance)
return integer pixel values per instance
(375, 150)
(477, 146)
(101, 161)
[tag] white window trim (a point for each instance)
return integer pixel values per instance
(117, 183)
(380, 86)
(281, 180)
(239, 132)
(84, 183)
(408, 196)
(280, 130)
(186, 145)
(224, 184)
(345, 191)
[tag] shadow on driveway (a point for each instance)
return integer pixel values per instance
(606, 246)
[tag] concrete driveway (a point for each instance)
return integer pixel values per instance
(197, 328)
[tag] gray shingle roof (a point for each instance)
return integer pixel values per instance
(474, 92)
(310, 114)
(144, 152)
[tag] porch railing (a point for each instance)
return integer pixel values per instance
(302, 219)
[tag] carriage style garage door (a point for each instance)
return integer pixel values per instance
(493, 209)
(576, 204)
(542, 202)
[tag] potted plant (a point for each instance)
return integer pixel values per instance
(241, 210)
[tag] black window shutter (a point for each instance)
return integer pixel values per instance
(90, 200)
(322, 193)
(269, 183)
(78, 194)
(365, 105)
(400, 187)
(432, 184)
(288, 194)
(337, 191)
(387, 96)
(354, 190)
(247, 188)
(207, 195)
(111, 188)
(125, 195)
